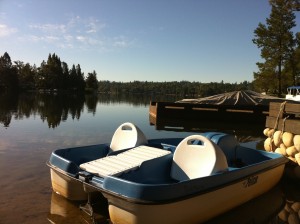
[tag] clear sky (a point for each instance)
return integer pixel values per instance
(146, 40)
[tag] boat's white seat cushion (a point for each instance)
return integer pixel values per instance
(193, 160)
(127, 136)
(123, 162)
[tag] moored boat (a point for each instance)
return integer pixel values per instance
(293, 93)
(188, 180)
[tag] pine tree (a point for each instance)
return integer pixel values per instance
(275, 39)
(8, 74)
(91, 80)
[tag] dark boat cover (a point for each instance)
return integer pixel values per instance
(246, 97)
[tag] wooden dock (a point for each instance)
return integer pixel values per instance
(284, 117)
(197, 112)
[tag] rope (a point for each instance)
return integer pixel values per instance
(283, 123)
(282, 107)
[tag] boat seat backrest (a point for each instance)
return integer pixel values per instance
(127, 136)
(228, 144)
(196, 156)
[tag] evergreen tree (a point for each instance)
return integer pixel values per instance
(91, 80)
(72, 78)
(65, 76)
(40, 78)
(55, 72)
(276, 39)
(8, 74)
(26, 75)
(80, 83)
(264, 79)
(292, 65)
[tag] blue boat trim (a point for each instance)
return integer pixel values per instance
(171, 192)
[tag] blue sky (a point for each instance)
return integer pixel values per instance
(146, 40)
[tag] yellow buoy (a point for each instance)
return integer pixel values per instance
(271, 132)
(266, 132)
(281, 151)
(277, 138)
(283, 215)
(269, 145)
(295, 206)
(282, 146)
(287, 139)
(292, 159)
(297, 157)
(297, 142)
(288, 208)
(293, 218)
(291, 151)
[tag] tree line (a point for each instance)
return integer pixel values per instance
(55, 75)
(180, 89)
(51, 75)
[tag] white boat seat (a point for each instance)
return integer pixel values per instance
(127, 136)
(192, 160)
(123, 162)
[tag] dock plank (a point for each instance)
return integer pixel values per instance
(289, 125)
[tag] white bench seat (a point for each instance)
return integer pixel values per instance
(123, 162)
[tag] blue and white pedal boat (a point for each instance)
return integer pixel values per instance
(173, 180)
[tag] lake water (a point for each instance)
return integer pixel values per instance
(33, 125)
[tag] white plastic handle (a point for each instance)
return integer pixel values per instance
(189, 141)
(127, 127)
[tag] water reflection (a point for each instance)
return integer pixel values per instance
(56, 108)
(63, 211)
(263, 209)
(245, 132)
(52, 108)
(9, 105)
(135, 99)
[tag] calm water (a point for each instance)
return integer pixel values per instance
(33, 125)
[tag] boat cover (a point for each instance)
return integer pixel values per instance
(246, 97)
(123, 162)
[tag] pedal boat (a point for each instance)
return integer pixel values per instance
(190, 180)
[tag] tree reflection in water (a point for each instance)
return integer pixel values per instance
(8, 108)
(54, 108)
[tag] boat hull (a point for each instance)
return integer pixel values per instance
(67, 186)
(195, 209)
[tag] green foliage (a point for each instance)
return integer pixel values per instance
(183, 88)
(292, 65)
(276, 41)
(8, 74)
(91, 81)
(55, 75)
(26, 75)
(52, 75)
